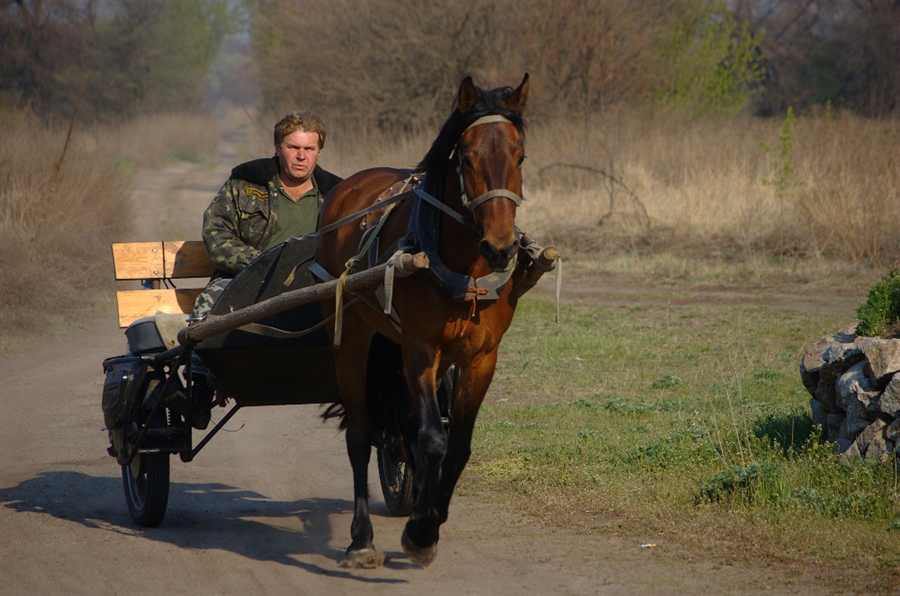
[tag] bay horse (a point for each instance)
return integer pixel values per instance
(454, 313)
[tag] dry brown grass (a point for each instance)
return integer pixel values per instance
(60, 210)
(700, 184)
(149, 141)
(690, 194)
(694, 187)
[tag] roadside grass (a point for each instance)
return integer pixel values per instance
(685, 424)
(692, 270)
(62, 202)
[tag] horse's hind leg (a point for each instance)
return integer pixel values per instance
(350, 363)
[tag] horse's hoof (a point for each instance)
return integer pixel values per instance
(367, 558)
(418, 555)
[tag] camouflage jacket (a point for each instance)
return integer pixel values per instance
(239, 222)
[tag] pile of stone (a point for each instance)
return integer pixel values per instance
(855, 384)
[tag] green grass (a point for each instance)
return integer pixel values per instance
(678, 418)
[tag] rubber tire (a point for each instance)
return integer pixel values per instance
(146, 479)
(396, 483)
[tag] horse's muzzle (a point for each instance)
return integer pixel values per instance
(497, 258)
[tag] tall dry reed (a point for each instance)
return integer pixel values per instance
(703, 182)
(695, 183)
(61, 205)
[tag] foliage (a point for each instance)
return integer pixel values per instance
(783, 173)
(400, 60)
(707, 65)
(882, 307)
(129, 55)
(843, 52)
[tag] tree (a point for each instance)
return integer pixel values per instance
(136, 55)
(707, 64)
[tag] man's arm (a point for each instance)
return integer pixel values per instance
(227, 249)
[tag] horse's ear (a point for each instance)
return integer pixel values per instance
(467, 96)
(518, 98)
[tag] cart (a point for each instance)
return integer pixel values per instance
(265, 342)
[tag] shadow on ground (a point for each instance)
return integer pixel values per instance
(201, 516)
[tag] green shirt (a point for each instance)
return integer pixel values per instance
(295, 218)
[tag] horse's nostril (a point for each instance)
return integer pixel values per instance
(488, 251)
(497, 258)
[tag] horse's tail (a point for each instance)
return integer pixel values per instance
(386, 391)
(336, 411)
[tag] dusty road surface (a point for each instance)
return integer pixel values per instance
(266, 507)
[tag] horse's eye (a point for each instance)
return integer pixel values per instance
(522, 159)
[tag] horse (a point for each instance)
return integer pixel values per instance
(453, 313)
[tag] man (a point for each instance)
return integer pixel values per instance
(263, 203)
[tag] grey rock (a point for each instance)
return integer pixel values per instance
(878, 448)
(892, 432)
(843, 445)
(854, 386)
(857, 419)
(835, 424)
(842, 352)
(826, 396)
(868, 435)
(889, 400)
(819, 416)
(844, 431)
(883, 356)
(812, 362)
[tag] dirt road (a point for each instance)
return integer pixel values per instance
(266, 508)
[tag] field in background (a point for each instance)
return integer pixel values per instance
(629, 193)
(61, 205)
(696, 186)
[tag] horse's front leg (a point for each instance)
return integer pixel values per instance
(421, 534)
(468, 395)
(351, 373)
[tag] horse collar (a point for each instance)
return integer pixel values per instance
(423, 234)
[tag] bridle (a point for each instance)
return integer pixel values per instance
(472, 204)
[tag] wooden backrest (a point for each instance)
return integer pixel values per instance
(158, 262)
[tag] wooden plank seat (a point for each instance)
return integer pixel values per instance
(156, 264)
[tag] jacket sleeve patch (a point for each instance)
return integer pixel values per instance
(256, 193)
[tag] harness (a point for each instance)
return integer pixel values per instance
(423, 235)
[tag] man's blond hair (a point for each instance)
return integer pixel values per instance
(306, 121)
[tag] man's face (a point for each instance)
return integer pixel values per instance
(298, 153)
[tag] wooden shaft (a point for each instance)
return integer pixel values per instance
(548, 256)
(216, 324)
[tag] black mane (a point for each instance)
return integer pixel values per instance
(436, 162)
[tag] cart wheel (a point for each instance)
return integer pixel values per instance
(146, 478)
(396, 480)
(395, 473)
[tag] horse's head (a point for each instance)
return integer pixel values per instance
(489, 155)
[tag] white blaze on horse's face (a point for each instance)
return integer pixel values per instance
(490, 154)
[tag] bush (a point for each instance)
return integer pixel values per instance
(881, 312)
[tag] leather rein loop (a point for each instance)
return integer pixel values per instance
(472, 204)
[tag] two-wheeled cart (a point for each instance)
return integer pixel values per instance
(264, 342)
